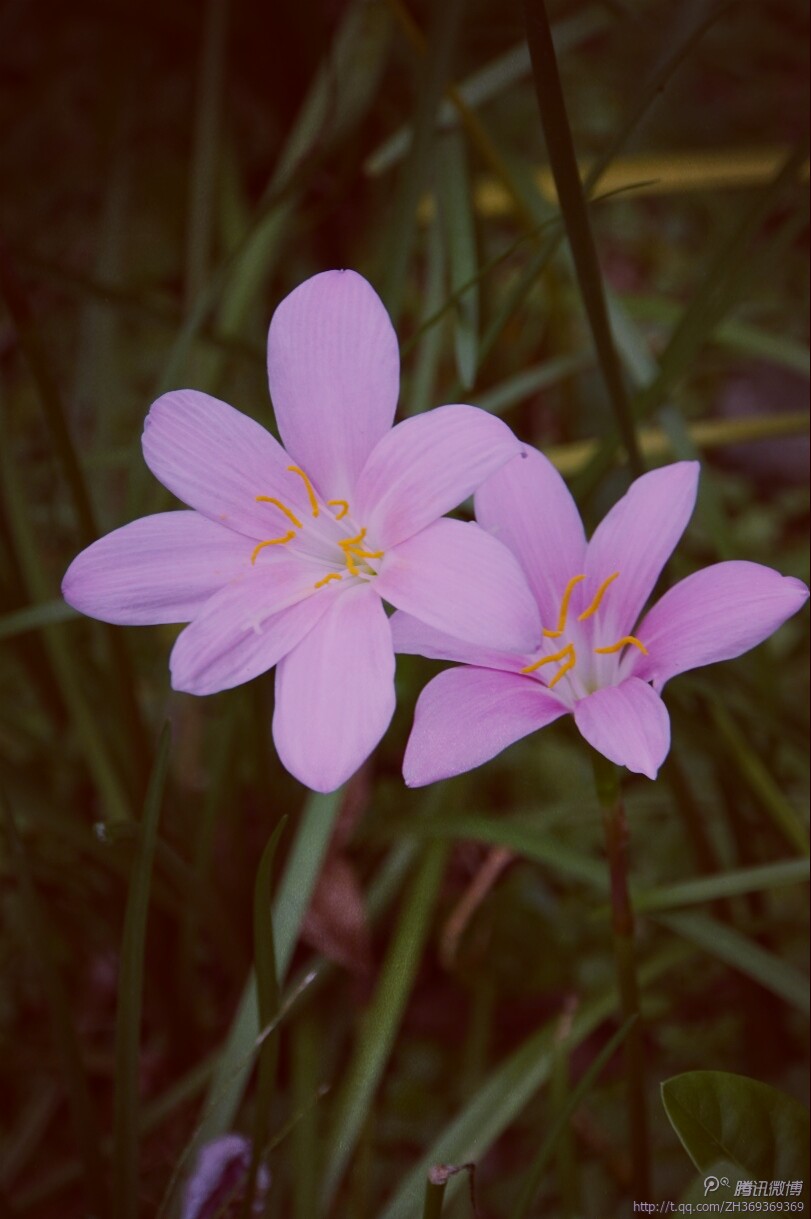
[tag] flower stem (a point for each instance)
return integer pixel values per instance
(622, 921)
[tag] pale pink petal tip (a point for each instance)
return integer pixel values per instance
(628, 724)
(334, 374)
(217, 1181)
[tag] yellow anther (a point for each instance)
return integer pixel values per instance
(308, 485)
(352, 542)
(351, 564)
(339, 503)
(288, 537)
(333, 575)
(564, 669)
(547, 660)
(564, 608)
(598, 596)
(269, 499)
(620, 644)
(367, 554)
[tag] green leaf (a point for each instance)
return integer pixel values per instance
(301, 872)
(720, 1116)
(455, 195)
(742, 954)
(435, 72)
(32, 617)
(130, 987)
(499, 1101)
(572, 198)
(383, 1016)
(535, 1174)
(267, 997)
(724, 884)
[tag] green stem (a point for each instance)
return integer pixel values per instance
(623, 928)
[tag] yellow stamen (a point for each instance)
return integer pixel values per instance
(547, 660)
(564, 669)
(288, 537)
(351, 564)
(598, 596)
(352, 542)
(339, 503)
(269, 499)
(308, 485)
(617, 647)
(333, 575)
(564, 608)
(367, 554)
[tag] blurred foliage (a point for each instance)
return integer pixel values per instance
(170, 173)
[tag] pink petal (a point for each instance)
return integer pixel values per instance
(247, 627)
(416, 638)
(217, 460)
(636, 539)
(466, 716)
(527, 505)
(715, 614)
(335, 692)
(457, 578)
(334, 372)
(160, 568)
(427, 465)
(628, 724)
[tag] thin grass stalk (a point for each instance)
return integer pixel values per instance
(126, 1119)
(267, 1000)
(446, 22)
(82, 1115)
(623, 927)
(572, 198)
(54, 410)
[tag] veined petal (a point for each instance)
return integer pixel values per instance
(636, 539)
(427, 465)
(335, 692)
(466, 716)
(247, 627)
(715, 614)
(628, 724)
(527, 505)
(416, 638)
(334, 373)
(457, 578)
(218, 460)
(160, 568)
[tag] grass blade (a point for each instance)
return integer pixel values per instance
(572, 198)
(83, 1118)
(46, 613)
(435, 73)
(301, 872)
(547, 1148)
(267, 997)
(382, 1019)
(130, 986)
(510, 1086)
(727, 884)
(743, 954)
(456, 211)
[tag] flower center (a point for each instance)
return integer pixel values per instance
(346, 555)
(567, 656)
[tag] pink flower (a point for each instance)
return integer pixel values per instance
(288, 552)
(594, 661)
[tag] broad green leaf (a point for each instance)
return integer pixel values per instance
(720, 1116)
